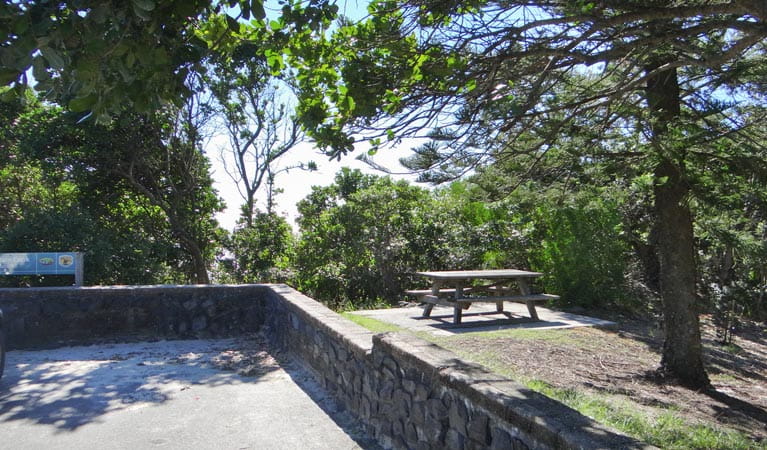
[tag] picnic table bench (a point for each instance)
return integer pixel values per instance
(459, 289)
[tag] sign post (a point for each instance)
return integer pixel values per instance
(56, 263)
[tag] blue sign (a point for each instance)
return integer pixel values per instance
(38, 263)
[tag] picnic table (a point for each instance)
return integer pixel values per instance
(460, 288)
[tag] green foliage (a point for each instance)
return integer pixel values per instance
(263, 251)
(362, 237)
(101, 57)
(580, 250)
(478, 234)
(112, 192)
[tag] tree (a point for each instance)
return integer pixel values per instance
(158, 159)
(263, 251)
(58, 196)
(162, 159)
(362, 237)
(255, 112)
(104, 56)
(490, 75)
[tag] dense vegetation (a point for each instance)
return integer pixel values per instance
(135, 195)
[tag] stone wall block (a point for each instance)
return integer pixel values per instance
(413, 373)
(408, 385)
(402, 401)
(421, 393)
(377, 357)
(388, 374)
(436, 409)
(454, 440)
(342, 354)
(367, 385)
(364, 408)
(386, 392)
(357, 381)
(397, 427)
(423, 445)
(458, 416)
(199, 323)
(503, 440)
(385, 410)
(478, 429)
(418, 413)
(435, 431)
(390, 364)
(411, 434)
(471, 444)
(294, 322)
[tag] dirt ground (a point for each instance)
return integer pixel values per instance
(623, 362)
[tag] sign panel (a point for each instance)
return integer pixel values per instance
(38, 263)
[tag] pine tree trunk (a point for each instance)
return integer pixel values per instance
(682, 349)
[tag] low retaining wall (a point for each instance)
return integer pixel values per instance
(52, 316)
(413, 394)
(408, 393)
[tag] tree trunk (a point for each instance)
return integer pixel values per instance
(682, 349)
(199, 272)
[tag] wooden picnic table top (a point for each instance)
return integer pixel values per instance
(479, 274)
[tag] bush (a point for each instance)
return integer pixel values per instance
(580, 251)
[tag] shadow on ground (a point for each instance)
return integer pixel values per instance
(71, 387)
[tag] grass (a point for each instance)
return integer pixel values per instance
(374, 325)
(559, 336)
(732, 348)
(661, 427)
(665, 430)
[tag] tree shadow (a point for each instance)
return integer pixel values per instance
(737, 406)
(70, 387)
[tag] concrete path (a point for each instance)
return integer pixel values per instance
(481, 317)
(166, 395)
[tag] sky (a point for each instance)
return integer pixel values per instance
(297, 184)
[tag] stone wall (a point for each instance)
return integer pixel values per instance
(412, 394)
(408, 393)
(54, 316)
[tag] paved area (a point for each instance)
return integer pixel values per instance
(198, 394)
(481, 317)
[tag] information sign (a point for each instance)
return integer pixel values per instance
(59, 263)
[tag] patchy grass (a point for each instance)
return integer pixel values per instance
(555, 336)
(374, 325)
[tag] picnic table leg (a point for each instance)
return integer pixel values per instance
(525, 289)
(435, 286)
(458, 308)
(457, 313)
(499, 293)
